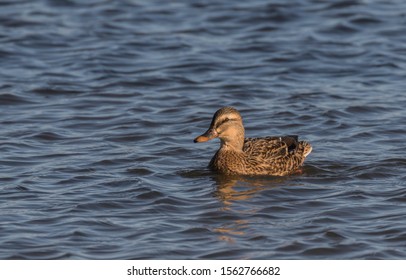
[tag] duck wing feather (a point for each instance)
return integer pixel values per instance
(271, 146)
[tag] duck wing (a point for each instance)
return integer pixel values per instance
(271, 146)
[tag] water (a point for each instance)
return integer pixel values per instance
(100, 102)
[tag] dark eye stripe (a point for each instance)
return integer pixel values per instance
(224, 121)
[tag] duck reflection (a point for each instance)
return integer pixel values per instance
(229, 190)
(234, 188)
(229, 231)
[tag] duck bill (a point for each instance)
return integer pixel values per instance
(208, 135)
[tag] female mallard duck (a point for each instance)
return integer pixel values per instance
(278, 156)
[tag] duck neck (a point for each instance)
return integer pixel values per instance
(233, 142)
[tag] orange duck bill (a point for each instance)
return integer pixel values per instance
(208, 135)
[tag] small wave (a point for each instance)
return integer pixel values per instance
(13, 99)
(49, 136)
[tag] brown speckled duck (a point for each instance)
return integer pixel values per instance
(278, 156)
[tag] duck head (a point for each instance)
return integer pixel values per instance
(226, 125)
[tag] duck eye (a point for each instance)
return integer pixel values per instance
(223, 121)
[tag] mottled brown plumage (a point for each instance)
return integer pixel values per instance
(276, 156)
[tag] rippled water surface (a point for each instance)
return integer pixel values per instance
(100, 102)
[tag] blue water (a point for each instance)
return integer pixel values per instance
(100, 102)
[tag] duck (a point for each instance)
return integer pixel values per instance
(237, 155)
